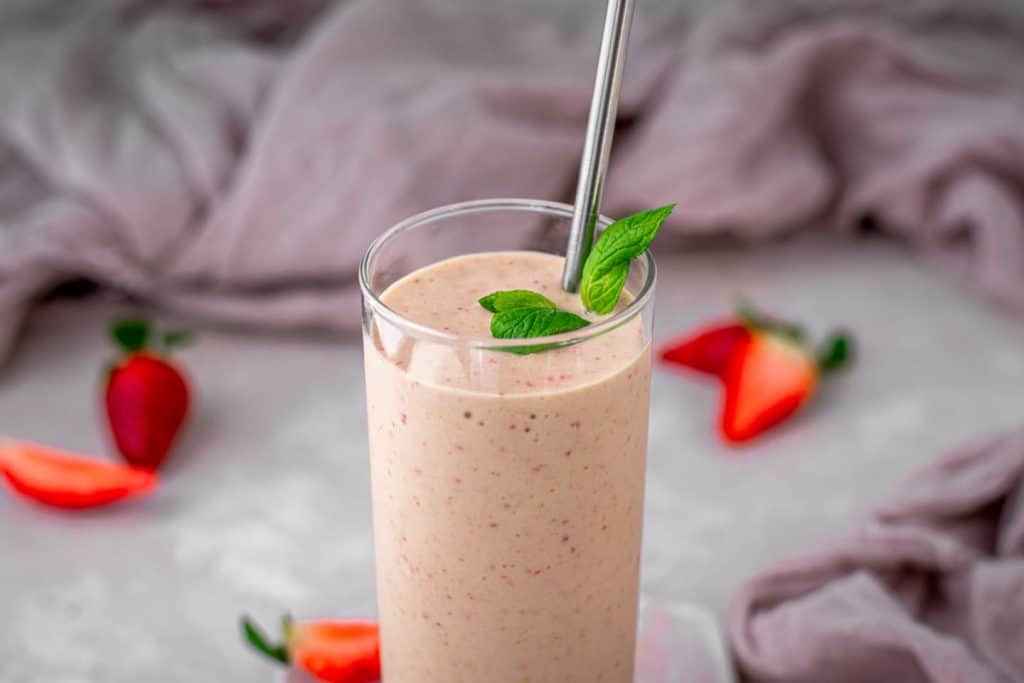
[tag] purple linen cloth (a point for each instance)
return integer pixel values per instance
(231, 160)
(929, 589)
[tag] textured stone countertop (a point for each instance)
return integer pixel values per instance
(266, 508)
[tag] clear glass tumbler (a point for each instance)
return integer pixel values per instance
(507, 487)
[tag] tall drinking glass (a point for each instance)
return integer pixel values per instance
(508, 475)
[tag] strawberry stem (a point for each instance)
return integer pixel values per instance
(176, 339)
(130, 334)
(288, 629)
(258, 640)
(757, 320)
(835, 352)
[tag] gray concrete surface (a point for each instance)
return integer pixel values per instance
(265, 506)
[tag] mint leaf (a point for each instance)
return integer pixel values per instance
(131, 334)
(600, 293)
(523, 323)
(507, 300)
(607, 266)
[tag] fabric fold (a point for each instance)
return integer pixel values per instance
(232, 162)
(929, 589)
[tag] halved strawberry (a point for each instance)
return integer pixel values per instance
(773, 373)
(332, 651)
(64, 480)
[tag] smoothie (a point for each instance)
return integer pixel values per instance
(507, 489)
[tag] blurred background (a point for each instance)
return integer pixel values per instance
(222, 165)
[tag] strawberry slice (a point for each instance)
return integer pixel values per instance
(709, 349)
(773, 374)
(64, 480)
(332, 651)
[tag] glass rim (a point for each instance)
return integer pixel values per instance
(537, 206)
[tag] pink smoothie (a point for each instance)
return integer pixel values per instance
(507, 489)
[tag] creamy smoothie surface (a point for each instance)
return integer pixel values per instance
(507, 489)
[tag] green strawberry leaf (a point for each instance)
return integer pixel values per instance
(523, 323)
(259, 641)
(177, 338)
(607, 266)
(131, 334)
(835, 352)
(507, 300)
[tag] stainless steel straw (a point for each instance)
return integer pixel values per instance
(600, 128)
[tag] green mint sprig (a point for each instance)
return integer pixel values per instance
(523, 314)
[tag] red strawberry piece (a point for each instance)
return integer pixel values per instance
(768, 380)
(708, 349)
(773, 374)
(332, 651)
(338, 651)
(64, 480)
(147, 398)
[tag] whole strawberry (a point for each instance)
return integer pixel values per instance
(147, 398)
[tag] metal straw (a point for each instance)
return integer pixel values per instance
(597, 147)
